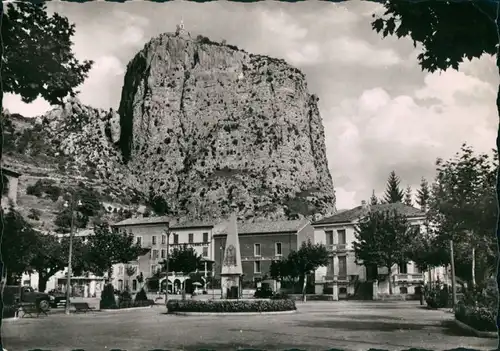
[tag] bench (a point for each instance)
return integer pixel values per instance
(30, 309)
(82, 307)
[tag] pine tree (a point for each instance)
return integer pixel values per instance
(393, 193)
(373, 199)
(408, 195)
(423, 194)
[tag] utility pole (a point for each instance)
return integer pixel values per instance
(70, 254)
(167, 232)
(453, 286)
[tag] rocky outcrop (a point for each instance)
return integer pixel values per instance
(209, 126)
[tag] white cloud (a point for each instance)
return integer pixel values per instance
(377, 133)
(355, 51)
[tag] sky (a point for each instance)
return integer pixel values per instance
(380, 111)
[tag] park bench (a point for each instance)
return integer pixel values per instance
(82, 307)
(30, 308)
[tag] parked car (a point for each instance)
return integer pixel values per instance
(17, 294)
(263, 292)
(59, 298)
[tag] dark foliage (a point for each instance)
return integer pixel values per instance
(222, 306)
(108, 299)
(141, 295)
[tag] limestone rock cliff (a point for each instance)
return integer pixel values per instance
(208, 126)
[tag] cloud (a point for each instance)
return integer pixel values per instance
(14, 104)
(355, 51)
(376, 133)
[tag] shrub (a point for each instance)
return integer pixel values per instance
(141, 295)
(436, 297)
(108, 299)
(221, 306)
(132, 304)
(124, 298)
(480, 318)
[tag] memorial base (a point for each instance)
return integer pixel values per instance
(230, 286)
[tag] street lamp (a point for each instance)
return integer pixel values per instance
(70, 254)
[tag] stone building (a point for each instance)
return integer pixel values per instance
(343, 276)
(10, 181)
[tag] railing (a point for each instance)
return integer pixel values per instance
(336, 247)
(407, 277)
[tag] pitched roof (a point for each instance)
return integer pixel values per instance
(174, 224)
(143, 221)
(269, 227)
(358, 212)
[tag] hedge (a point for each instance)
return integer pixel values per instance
(477, 317)
(223, 306)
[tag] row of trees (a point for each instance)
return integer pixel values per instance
(394, 193)
(460, 206)
(26, 250)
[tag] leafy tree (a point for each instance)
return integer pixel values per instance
(373, 199)
(159, 205)
(463, 209)
(63, 220)
(51, 256)
(383, 238)
(37, 54)
(108, 247)
(306, 260)
(423, 194)
(393, 193)
(408, 196)
(17, 248)
(183, 259)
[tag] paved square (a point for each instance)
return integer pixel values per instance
(316, 326)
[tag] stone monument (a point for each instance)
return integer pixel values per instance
(231, 270)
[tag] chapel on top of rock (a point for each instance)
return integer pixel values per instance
(181, 31)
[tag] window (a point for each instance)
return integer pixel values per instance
(153, 269)
(329, 237)
(120, 270)
(155, 254)
(342, 267)
(205, 237)
(134, 285)
(403, 268)
(403, 290)
(138, 240)
(163, 239)
(205, 252)
(153, 240)
(256, 267)
(342, 291)
(163, 255)
(341, 234)
(416, 270)
(190, 238)
(277, 249)
(120, 285)
(176, 238)
(256, 250)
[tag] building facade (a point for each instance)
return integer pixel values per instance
(260, 244)
(343, 274)
(151, 233)
(10, 181)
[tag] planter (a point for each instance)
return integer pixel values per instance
(481, 334)
(231, 313)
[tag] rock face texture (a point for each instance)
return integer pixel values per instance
(209, 126)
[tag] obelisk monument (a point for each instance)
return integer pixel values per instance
(231, 271)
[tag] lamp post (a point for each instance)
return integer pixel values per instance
(70, 254)
(167, 233)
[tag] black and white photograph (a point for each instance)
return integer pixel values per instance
(233, 175)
